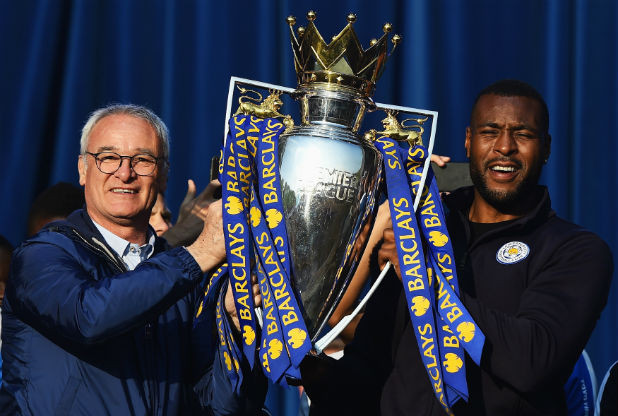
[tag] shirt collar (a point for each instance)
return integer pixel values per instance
(124, 248)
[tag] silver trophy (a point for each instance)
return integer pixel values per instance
(330, 174)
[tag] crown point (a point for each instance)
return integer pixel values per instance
(316, 62)
(396, 40)
(373, 41)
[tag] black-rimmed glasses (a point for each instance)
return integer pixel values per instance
(110, 162)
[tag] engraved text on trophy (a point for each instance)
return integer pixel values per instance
(330, 183)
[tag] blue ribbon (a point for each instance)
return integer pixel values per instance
(412, 265)
(270, 237)
(237, 182)
(254, 226)
(210, 288)
(433, 223)
(433, 226)
(442, 325)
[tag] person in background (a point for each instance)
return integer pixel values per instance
(98, 316)
(161, 216)
(191, 214)
(54, 203)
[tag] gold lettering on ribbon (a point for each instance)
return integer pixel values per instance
(219, 320)
(270, 323)
(450, 341)
(445, 260)
(390, 149)
(427, 209)
(268, 170)
(238, 262)
(286, 312)
(453, 312)
(427, 347)
(212, 279)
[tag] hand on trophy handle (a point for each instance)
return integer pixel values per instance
(208, 249)
(230, 306)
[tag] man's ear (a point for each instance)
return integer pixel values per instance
(81, 168)
(467, 142)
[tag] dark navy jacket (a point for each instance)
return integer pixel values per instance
(84, 336)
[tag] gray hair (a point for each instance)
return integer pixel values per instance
(136, 111)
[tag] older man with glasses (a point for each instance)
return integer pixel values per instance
(98, 315)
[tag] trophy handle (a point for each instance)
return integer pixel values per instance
(234, 81)
(388, 108)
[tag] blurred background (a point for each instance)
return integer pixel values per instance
(62, 59)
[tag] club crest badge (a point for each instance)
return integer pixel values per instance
(512, 252)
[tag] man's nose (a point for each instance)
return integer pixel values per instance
(505, 143)
(125, 172)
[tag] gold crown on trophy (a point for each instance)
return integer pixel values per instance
(342, 64)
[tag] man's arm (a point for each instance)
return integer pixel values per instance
(208, 249)
(59, 287)
(60, 294)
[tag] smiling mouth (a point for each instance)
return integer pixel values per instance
(124, 191)
(503, 168)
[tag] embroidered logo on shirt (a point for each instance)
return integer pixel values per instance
(512, 252)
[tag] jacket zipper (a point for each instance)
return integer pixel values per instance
(148, 329)
(102, 252)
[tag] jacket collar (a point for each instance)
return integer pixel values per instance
(459, 201)
(80, 227)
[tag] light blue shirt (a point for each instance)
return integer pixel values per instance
(132, 254)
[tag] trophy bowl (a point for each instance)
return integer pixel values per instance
(330, 179)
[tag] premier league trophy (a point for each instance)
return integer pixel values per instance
(324, 176)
